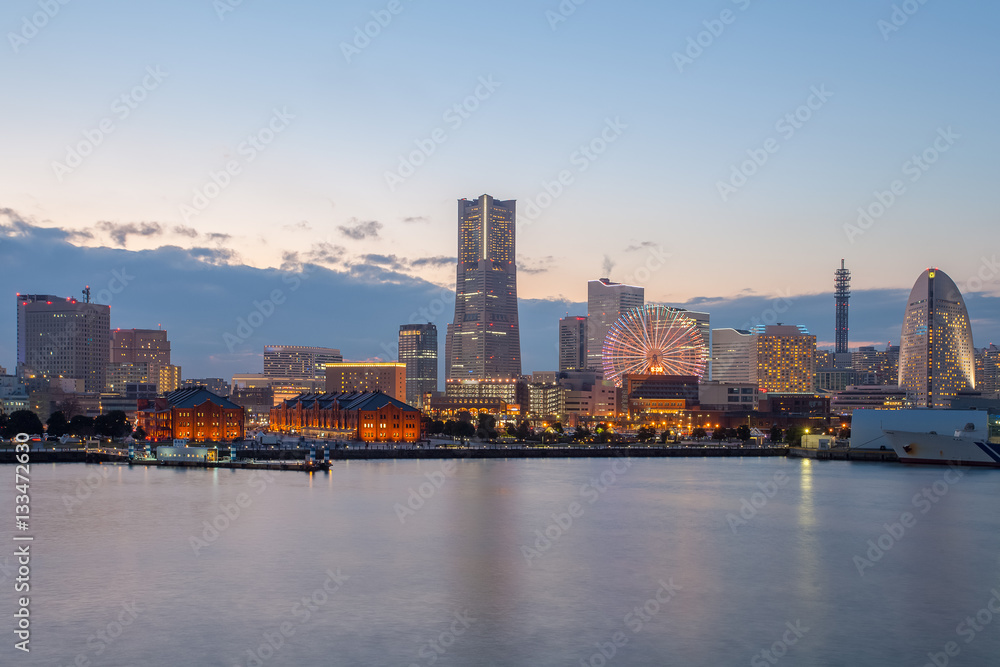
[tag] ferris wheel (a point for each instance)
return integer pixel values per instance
(653, 340)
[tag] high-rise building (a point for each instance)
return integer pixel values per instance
(936, 357)
(572, 343)
(144, 356)
(388, 378)
(63, 338)
(217, 386)
(298, 361)
(988, 369)
(842, 295)
(786, 359)
(418, 349)
(734, 355)
(484, 341)
(606, 302)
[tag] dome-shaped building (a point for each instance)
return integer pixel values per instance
(936, 357)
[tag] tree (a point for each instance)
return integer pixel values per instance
(719, 434)
(743, 432)
(793, 436)
(845, 434)
(22, 421)
(486, 426)
(81, 426)
(435, 427)
(775, 433)
(139, 434)
(112, 425)
(698, 433)
(645, 434)
(523, 431)
(57, 426)
(464, 429)
(557, 427)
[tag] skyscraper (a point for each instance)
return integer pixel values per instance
(298, 361)
(786, 359)
(418, 349)
(572, 343)
(842, 294)
(133, 350)
(484, 341)
(733, 356)
(606, 302)
(62, 337)
(936, 357)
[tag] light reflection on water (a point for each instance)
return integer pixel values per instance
(450, 582)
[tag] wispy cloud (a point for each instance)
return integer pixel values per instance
(361, 230)
(439, 260)
(640, 246)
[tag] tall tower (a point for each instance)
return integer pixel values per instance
(418, 349)
(842, 293)
(572, 343)
(936, 357)
(484, 341)
(606, 302)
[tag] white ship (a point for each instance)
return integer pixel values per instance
(968, 446)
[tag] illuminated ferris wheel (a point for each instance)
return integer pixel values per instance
(653, 340)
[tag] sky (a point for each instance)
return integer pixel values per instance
(724, 154)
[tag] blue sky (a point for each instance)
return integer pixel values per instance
(199, 83)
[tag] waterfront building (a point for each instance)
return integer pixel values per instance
(572, 343)
(733, 356)
(386, 377)
(606, 302)
(869, 397)
(367, 416)
(258, 401)
(484, 342)
(988, 370)
(785, 359)
(63, 338)
(728, 396)
(299, 362)
(418, 349)
(194, 414)
(654, 395)
(936, 357)
(546, 400)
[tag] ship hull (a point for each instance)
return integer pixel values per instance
(936, 449)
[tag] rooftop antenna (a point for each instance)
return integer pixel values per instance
(86, 294)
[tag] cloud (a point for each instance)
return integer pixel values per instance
(216, 256)
(641, 245)
(119, 232)
(300, 226)
(533, 266)
(383, 260)
(361, 230)
(218, 237)
(439, 260)
(189, 232)
(325, 253)
(416, 218)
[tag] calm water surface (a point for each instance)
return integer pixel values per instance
(542, 562)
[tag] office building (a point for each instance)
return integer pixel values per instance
(734, 356)
(573, 343)
(936, 356)
(134, 346)
(386, 377)
(418, 349)
(298, 361)
(63, 338)
(606, 302)
(217, 386)
(988, 370)
(786, 359)
(484, 340)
